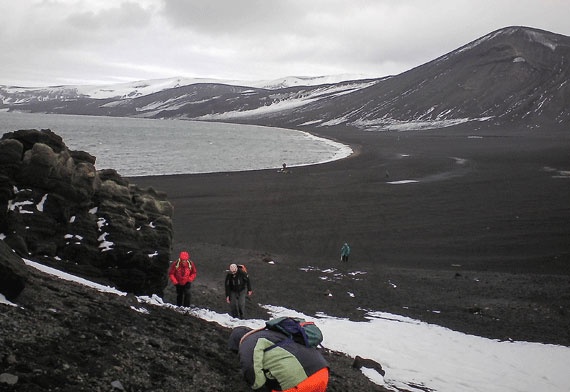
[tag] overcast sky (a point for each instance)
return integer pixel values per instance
(54, 42)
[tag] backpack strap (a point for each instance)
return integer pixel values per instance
(190, 265)
(280, 344)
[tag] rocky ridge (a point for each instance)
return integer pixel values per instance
(55, 205)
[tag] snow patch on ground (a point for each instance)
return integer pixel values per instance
(402, 126)
(400, 182)
(415, 355)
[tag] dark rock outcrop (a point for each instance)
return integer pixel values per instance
(13, 273)
(55, 204)
(360, 362)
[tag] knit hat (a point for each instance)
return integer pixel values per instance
(235, 337)
(184, 256)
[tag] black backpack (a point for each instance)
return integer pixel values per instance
(297, 330)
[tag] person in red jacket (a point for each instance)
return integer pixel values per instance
(182, 273)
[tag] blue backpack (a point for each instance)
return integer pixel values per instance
(297, 330)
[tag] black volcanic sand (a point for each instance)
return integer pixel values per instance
(67, 337)
(480, 244)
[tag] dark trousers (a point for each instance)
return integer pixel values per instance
(237, 303)
(183, 294)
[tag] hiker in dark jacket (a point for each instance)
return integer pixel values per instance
(182, 273)
(237, 286)
(289, 366)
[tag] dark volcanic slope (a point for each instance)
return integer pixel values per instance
(483, 234)
(480, 195)
(67, 337)
(516, 73)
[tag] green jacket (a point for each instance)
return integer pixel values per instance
(345, 250)
(281, 367)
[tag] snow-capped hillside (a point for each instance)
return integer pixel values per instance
(516, 74)
(146, 87)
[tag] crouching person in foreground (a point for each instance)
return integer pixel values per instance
(271, 360)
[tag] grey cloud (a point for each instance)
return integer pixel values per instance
(125, 15)
(246, 39)
(228, 17)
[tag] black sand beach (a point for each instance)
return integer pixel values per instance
(480, 243)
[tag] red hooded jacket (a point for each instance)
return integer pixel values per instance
(182, 272)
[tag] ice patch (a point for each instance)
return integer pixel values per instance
(383, 124)
(101, 222)
(311, 122)
(73, 278)
(557, 173)
(541, 39)
(140, 310)
(402, 182)
(459, 161)
(104, 245)
(4, 301)
(332, 274)
(40, 205)
(19, 205)
(286, 102)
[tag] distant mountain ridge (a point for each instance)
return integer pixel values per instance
(515, 75)
(146, 87)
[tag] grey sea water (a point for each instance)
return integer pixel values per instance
(141, 147)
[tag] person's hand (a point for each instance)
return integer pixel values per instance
(228, 299)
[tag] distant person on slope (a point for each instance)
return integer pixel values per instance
(344, 252)
(284, 169)
(237, 286)
(182, 273)
(287, 366)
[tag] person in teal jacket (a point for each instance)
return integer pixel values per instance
(285, 366)
(344, 252)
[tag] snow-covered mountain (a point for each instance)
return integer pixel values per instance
(145, 87)
(512, 75)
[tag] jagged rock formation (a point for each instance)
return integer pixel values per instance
(54, 203)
